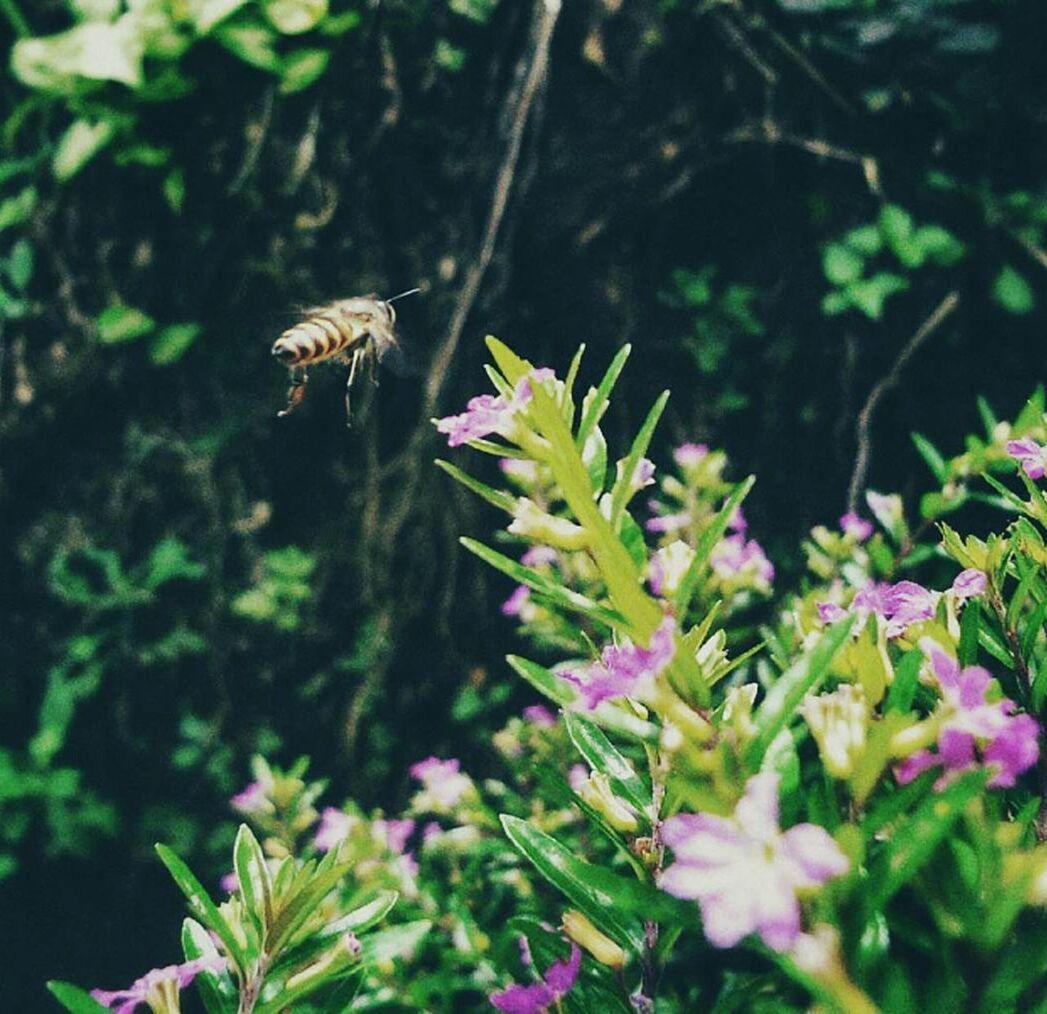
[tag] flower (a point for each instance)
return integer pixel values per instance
(744, 872)
(393, 834)
(643, 475)
(517, 603)
(540, 715)
(540, 996)
(668, 566)
(898, 605)
(665, 523)
(252, 800)
(738, 523)
(538, 556)
(689, 456)
(1033, 456)
(856, 526)
(625, 671)
(735, 557)
(443, 784)
(487, 413)
(968, 584)
(838, 722)
(159, 987)
(531, 522)
(335, 827)
(969, 724)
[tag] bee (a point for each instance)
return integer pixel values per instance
(348, 331)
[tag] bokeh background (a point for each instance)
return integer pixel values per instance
(768, 198)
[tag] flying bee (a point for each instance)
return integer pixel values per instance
(348, 331)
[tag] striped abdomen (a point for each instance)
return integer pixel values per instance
(315, 339)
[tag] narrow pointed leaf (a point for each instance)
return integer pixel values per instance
(602, 755)
(598, 403)
(931, 456)
(75, 999)
(543, 680)
(252, 874)
(503, 501)
(620, 492)
(217, 991)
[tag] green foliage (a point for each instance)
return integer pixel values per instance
(281, 592)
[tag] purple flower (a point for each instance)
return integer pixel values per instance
(856, 526)
(1033, 456)
(540, 715)
(541, 995)
(443, 784)
(970, 725)
(738, 523)
(625, 671)
(487, 413)
(229, 882)
(158, 987)
(335, 827)
(251, 800)
(744, 872)
(643, 475)
(537, 556)
(516, 603)
(735, 556)
(665, 523)
(690, 455)
(898, 605)
(667, 568)
(969, 584)
(393, 834)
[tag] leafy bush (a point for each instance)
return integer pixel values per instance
(848, 811)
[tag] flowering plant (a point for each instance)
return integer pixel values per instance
(726, 800)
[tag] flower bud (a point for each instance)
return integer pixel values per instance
(579, 929)
(838, 722)
(596, 791)
(531, 522)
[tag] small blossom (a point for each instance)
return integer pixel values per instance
(158, 988)
(393, 834)
(887, 508)
(667, 568)
(969, 583)
(252, 800)
(229, 882)
(540, 715)
(856, 526)
(579, 929)
(596, 791)
(738, 522)
(444, 786)
(431, 832)
(577, 776)
(666, 523)
(522, 470)
(518, 603)
(488, 413)
(689, 456)
(970, 725)
(541, 995)
(898, 605)
(627, 671)
(531, 522)
(335, 826)
(539, 556)
(737, 557)
(643, 475)
(744, 872)
(1033, 456)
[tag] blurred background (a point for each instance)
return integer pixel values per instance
(770, 199)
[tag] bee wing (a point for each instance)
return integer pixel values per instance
(399, 355)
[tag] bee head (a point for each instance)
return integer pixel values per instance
(284, 351)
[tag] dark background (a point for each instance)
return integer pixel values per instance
(664, 137)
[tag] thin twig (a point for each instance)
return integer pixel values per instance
(256, 135)
(863, 430)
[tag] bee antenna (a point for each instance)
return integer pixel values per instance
(409, 292)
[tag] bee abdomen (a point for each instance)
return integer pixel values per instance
(311, 341)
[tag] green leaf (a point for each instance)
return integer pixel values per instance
(786, 693)
(707, 543)
(122, 323)
(869, 294)
(546, 682)
(940, 245)
(293, 17)
(841, 264)
(620, 493)
(174, 192)
(79, 144)
(201, 905)
(302, 68)
(303, 903)
(94, 50)
(217, 990)
(557, 595)
(172, 342)
(252, 41)
(969, 623)
(896, 226)
(20, 264)
(15, 210)
(75, 999)
(931, 456)
(602, 755)
(596, 404)
(205, 14)
(503, 501)
(1012, 291)
(866, 240)
(252, 874)
(605, 897)
(394, 942)
(915, 839)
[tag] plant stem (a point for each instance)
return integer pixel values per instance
(14, 14)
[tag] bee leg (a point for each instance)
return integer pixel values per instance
(349, 388)
(296, 392)
(373, 369)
